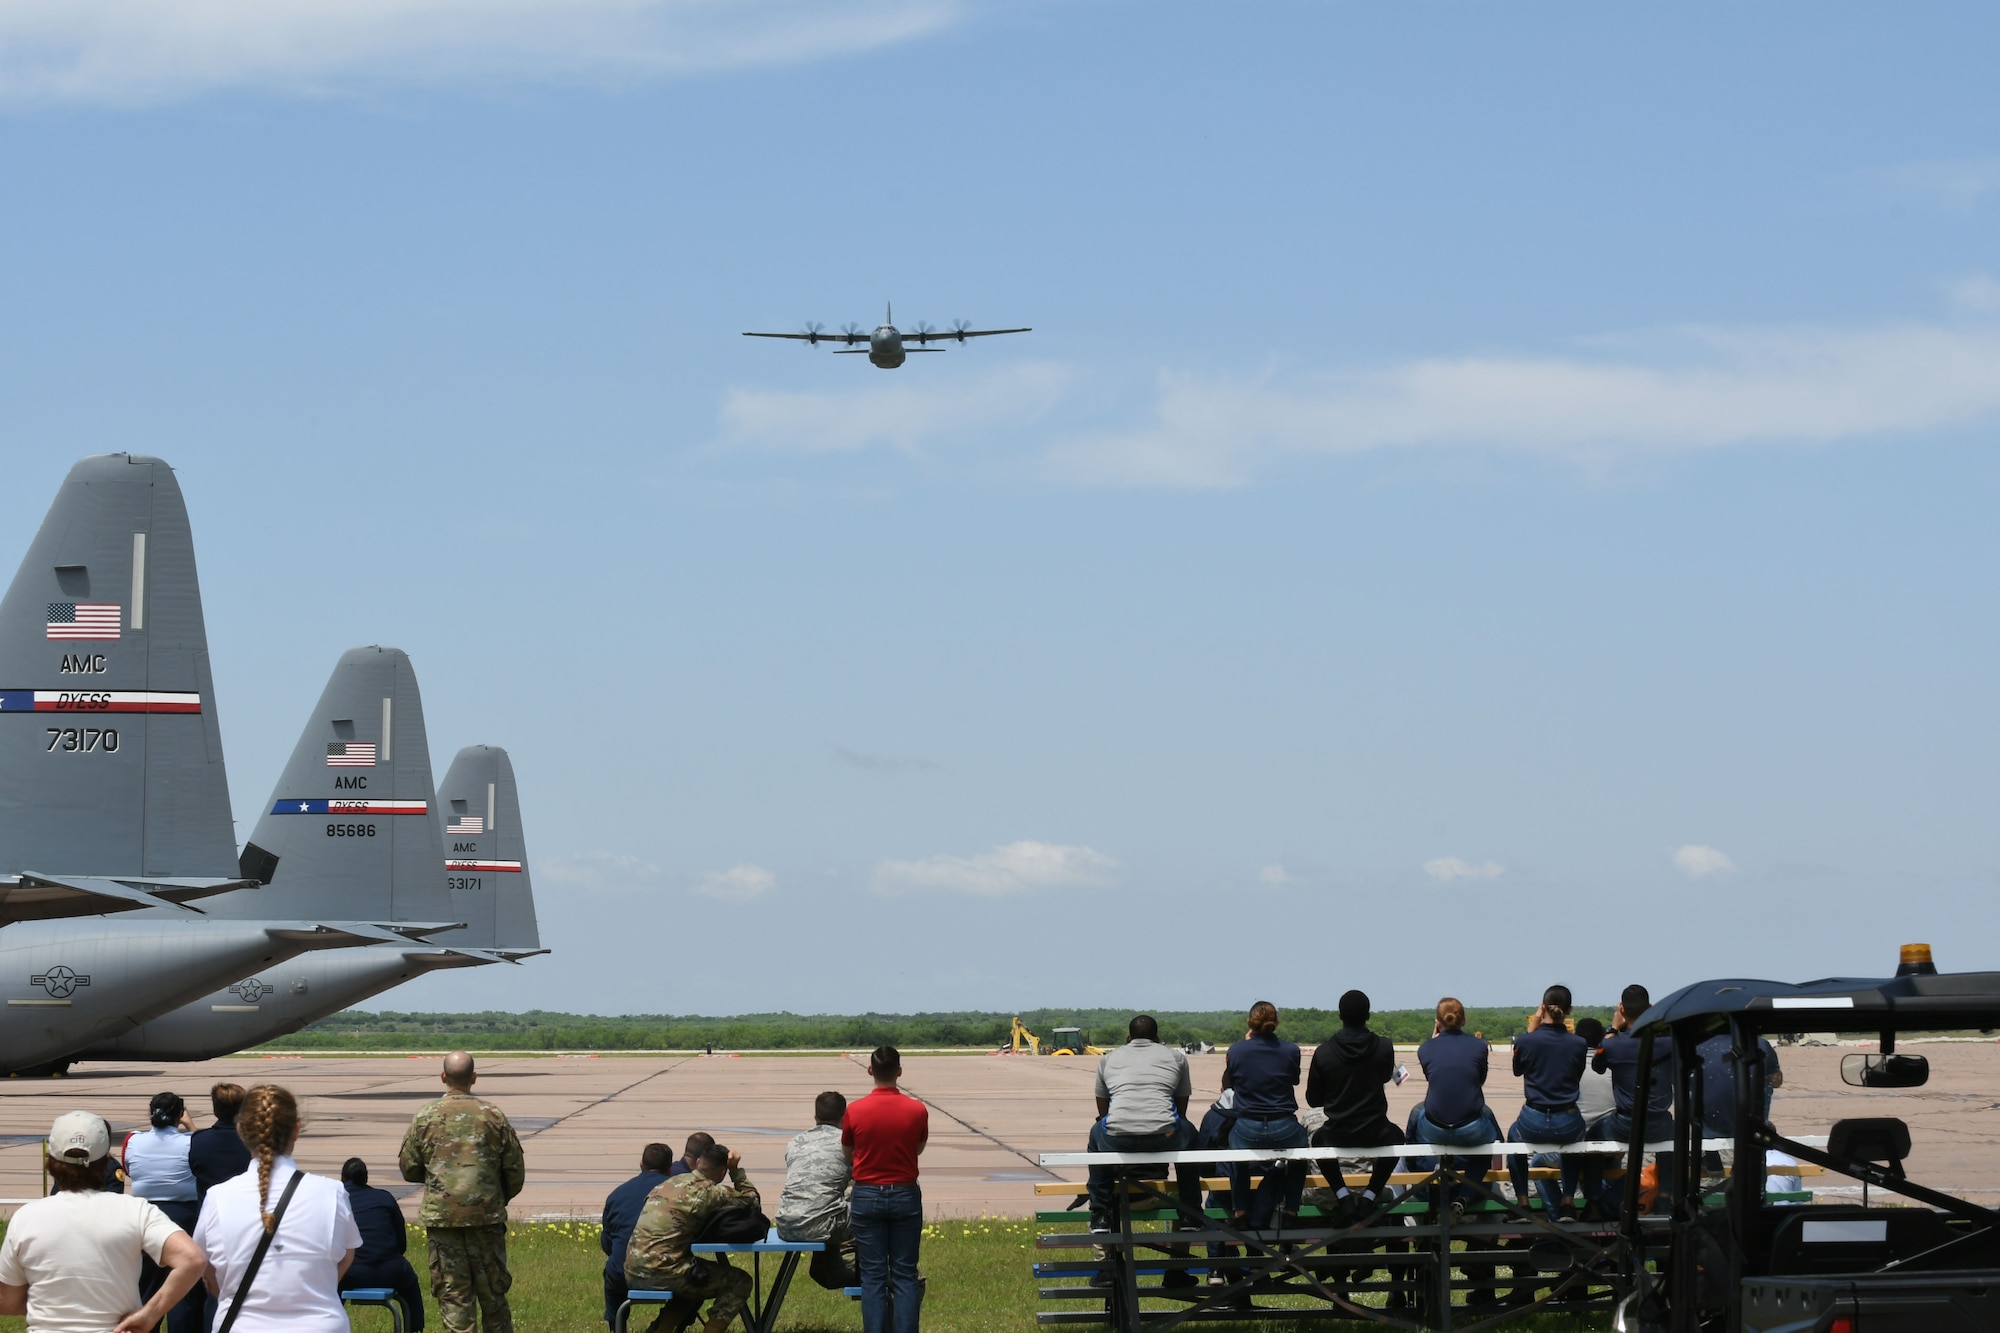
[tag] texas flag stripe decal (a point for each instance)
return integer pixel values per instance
(497, 867)
(312, 806)
(98, 701)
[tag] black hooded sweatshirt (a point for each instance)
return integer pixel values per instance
(1346, 1080)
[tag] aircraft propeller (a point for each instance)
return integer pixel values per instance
(852, 330)
(812, 332)
(925, 331)
(959, 326)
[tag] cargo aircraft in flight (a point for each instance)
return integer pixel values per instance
(887, 344)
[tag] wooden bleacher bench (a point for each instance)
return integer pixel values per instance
(1360, 1179)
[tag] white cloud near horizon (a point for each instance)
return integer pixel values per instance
(905, 415)
(1006, 871)
(135, 52)
(1276, 876)
(596, 872)
(1956, 183)
(738, 884)
(1450, 869)
(1698, 390)
(1699, 862)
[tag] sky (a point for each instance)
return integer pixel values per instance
(1489, 499)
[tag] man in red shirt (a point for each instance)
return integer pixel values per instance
(882, 1135)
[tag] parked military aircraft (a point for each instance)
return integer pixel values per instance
(402, 869)
(113, 796)
(886, 344)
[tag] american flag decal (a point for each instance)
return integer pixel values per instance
(350, 754)
(465, 825)
(84, 620)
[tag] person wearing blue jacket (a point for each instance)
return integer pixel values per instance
(1549, 1059)
(1262, 1070)
(383, 1259)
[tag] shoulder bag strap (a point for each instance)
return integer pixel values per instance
(257, 1259)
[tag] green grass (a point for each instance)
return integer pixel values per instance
(978, 1271)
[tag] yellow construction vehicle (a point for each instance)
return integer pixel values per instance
(1073, 1041)
(1023, 1040)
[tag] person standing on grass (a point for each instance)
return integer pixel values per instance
(156, 1165)
(883, 1134)
(71, 1261)
(466, 1154)
(295, 1286)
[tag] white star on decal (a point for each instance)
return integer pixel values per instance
(304, 806)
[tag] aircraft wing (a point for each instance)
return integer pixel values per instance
(849, 338)
(35, 897)
(957, 335)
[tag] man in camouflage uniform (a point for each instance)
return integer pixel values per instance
(469, 1160)
(813, 1205)
(657, 1259)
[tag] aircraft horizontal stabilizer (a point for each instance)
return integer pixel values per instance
(34, 897)
(335, 935)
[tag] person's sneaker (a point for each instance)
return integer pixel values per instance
(1179, 1278)
(1100, 1222)
(1457, 1211)
(1103, 1277)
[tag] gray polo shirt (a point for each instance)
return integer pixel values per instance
(1143, 1080)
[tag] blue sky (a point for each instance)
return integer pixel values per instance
(1490, 498)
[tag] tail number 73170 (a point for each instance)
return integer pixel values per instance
(82, 740)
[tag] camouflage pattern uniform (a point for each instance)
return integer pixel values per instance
(658, 1259)
(469, 1160)
(813, 1204)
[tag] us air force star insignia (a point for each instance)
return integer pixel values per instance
(59, 981)
(303, 806)
(252, 990)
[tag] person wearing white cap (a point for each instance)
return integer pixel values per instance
(70, 1262)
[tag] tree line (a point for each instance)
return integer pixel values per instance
(539, 1029)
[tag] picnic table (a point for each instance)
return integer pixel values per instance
(761, 1315)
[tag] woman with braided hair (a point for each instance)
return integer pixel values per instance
(297, 1285)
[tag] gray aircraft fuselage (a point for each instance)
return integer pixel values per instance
(71, 984)
(274, 1001)
(885, 347)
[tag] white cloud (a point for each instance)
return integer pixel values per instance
(1699, 862)
(137, 51)
(1738, 388)
(1275, 876)
(597, 872)
(1957, 183)
(1018, 867)
(1449, 869)
(738, 884)
(904, 415)
(1977, 291)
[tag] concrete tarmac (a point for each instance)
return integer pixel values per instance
(583, 1120)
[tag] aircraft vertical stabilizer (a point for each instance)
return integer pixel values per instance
(114, 767)
(486, 854)
(349, 833)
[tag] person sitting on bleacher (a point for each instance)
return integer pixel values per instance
(1348, 1080)
(1594, 1098)
(813, 1204)
(1262, 1070)
(1142, 1098)
(1453, 1113)
(1550, 1059)
(658, 1257)
(1619, 1057)
(382, 1259)
(621, 1214)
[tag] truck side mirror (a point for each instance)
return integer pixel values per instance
(1885, 1071)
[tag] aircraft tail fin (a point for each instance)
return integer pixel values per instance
(486, 854)
(118, 772)
(349, 833)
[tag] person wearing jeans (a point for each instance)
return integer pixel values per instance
(1453, 1113)
(1619, 1057)
(882, 1135)
(1550, 1059)
(1262, 1070)
(1142, 1098)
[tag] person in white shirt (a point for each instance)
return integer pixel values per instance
(156, 1164)
(70, 1262)
(297, 1288)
